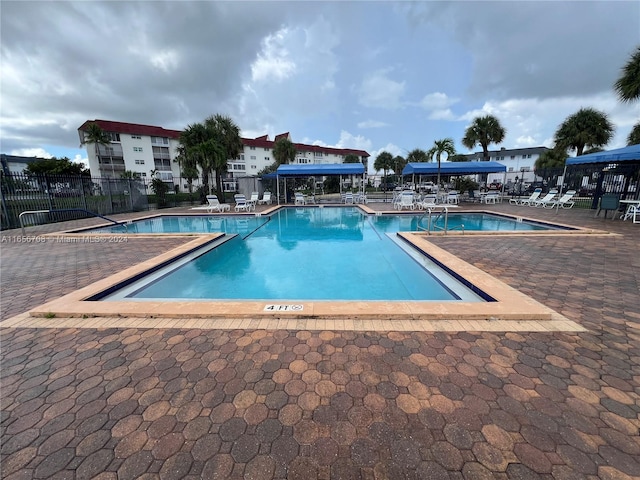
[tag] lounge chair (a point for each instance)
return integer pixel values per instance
(406, 201)
(491, 197)
(254, 197)
(546, 200)
(214, 205)
(562, 202)
(429, 200)
(266, 199)
(453, 198)
(299, 199)
(527, 201)
(241, 203)
(348, 198)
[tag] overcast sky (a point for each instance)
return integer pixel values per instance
(370, 75)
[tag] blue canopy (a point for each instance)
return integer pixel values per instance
(321, 169)
(625, 154)
(453, 168)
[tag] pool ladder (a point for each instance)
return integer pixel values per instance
(432, 220)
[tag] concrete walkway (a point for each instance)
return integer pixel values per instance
(132, 402)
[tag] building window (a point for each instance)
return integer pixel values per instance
(253, 167)
(252, 148)
(143, 174)
(253, 157)
(114, 137)
(317, 154)
(266, 149)
(137, 149)
(160, 140)
(238, 167)
(139, 162)
(513, 157)
(136, 137)
(267, 159)
(326, 154)
(511, 169)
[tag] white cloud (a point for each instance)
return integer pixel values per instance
(31, 152)
(445, 114)
(80, 159)
(379, 91)
(437, 101)
(273, 62)
(166, 60)
(372, 124)
(533, 122)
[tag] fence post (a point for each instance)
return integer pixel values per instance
(109, 195)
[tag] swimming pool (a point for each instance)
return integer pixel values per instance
(331, 253)
(388, 223)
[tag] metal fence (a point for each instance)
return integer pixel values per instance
(104, 196)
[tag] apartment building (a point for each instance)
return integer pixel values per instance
(145, 148)
(520, 163)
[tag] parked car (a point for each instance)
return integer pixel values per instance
(533, 185)
(387, 186)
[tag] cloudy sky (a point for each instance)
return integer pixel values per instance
(370, 75)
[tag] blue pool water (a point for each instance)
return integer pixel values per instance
(331, 253)
(244, 225)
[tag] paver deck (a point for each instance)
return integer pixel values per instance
(153, 402)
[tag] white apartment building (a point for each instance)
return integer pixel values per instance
(520, 163)
(143, 148)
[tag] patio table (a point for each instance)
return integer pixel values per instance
(631, 206)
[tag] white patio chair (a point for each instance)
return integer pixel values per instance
(214, 205)
(491, 197)
(241, 203)
(453, 197)
(527, 201)
(266, 199)
(407, 201)
(299, 199)
(562, 202)
(546, 200)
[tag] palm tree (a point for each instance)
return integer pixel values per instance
(585, 128)
(96, 135)
(628, 85)
(398, 165)
(484, 131)
(634, 135)
(445, 145)
(418, 155)
(384, 162)
(284, 151)
(192, 139)
(226, 135)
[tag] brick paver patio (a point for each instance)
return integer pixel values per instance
(176, 403)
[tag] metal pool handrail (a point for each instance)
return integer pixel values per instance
(443, 209)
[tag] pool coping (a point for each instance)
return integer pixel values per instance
(510, 305)
(564, 229)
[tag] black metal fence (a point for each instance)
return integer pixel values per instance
(104, 196)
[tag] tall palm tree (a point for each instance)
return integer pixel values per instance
(384, 162)
(484, 131)
(628, 85)
(585, 128)
(96, 135)
(192, 138)
(418, 155)
(445, 145)
(224, 133)
(284, 151)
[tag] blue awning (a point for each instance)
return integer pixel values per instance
(625, 154)
(320, 169)
(453, 168)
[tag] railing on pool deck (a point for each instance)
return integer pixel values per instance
(431, 222)
(35, 212)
